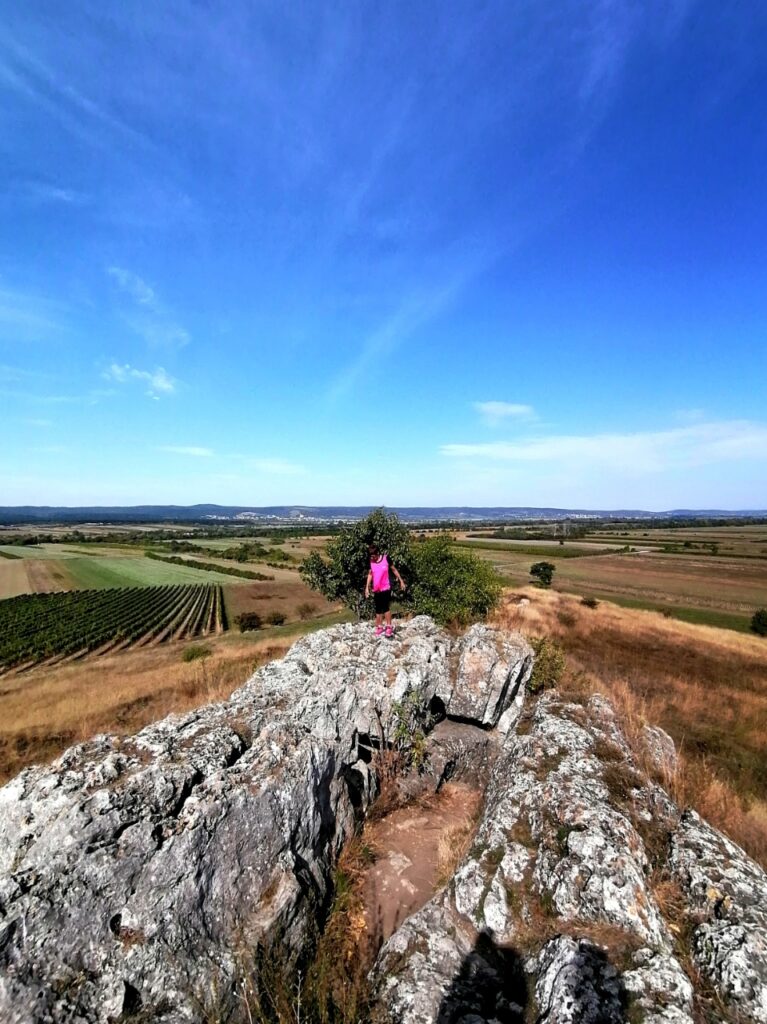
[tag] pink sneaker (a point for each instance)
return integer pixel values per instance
(389, 631)
(379, 630)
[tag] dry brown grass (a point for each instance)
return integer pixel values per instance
(707, 687)
(286, 594)
(45, 710)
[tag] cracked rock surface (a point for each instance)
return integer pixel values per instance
(559, 880)
(136, 873)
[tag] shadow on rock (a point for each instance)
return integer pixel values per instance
(491, 985)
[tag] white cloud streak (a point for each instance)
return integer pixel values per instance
(495, 413)
(135, 286)
(150, 319)
(412, 314)
(193, 450)
(25, 316)
(159, 381)
(33, 79)
(644, 451)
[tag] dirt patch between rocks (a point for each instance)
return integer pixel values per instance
(416, 848)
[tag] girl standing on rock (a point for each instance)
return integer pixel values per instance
(378, 577)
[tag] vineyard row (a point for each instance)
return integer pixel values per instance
(41, 627)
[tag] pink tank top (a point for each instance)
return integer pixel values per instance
(380, 572)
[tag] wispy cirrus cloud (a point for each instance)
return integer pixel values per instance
(643, 451)
(495, 413)
(148, 317)
(413, 313)
(43, 192)
(158, 381)
(39, 83)
(25, 316)
(134, 286)
(194, 451)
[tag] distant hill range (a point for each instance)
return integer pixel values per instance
(335, 513)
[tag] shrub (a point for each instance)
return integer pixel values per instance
(196, 651)
(543, 572)
(759, 622)
(341, 575)
(306, 610)
(453, 586)
(590, 602)
(450, 585)
(275, 618)
(248, 620)
(549, 666)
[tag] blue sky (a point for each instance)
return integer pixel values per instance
(399, 253)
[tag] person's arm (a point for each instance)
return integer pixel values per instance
(368, 581)
(396, 573)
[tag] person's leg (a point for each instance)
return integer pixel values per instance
(387, 617)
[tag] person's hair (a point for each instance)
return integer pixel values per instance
(373, 549)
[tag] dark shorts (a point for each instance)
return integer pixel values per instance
(381, 601)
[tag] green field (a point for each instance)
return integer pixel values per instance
(52, 567)
(92, 573)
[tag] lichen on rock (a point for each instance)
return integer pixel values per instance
(139, 875)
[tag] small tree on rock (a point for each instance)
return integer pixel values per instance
(448, 584)
(543, 572)
(341, 575)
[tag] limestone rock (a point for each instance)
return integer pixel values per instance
(727, 894)
(137, 874)
(558, 845)
(490, 680)
(577, 984)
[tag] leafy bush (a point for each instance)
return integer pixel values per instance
(306, 610)
(341, 575)
(275, 618)
(549, 666)
(452, 585)
(449, 584)
(759, 622)
(248, 620)
(196, 651)
(543, 572)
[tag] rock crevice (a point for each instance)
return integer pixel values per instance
(135, 874)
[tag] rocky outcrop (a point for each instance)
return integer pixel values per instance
(135, 875)
(572, 844)
(138, 875)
